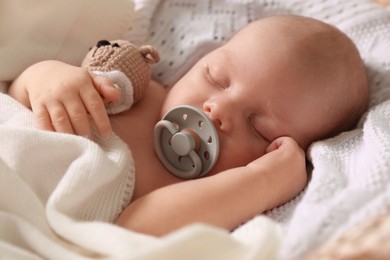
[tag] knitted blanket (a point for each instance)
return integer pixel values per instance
(70, 218)
(350, 180)
(53, 185)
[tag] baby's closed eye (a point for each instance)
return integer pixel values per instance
(216, 77)
(255, 128)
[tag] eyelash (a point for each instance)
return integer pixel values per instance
(253, 129)
(211, 80)
(256, 133)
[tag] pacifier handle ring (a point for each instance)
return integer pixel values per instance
(165, 124)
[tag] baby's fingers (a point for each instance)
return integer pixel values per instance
(284, 143)
(96, 108)
(42, 117)
(106, 89)
(79, 118)
(59, 118)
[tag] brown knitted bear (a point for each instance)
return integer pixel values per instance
(126, 65)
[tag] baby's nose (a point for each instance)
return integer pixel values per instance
(219, 115)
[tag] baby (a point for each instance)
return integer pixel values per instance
(276, 86)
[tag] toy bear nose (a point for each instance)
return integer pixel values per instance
(102, 43)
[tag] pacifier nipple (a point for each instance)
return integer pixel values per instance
(186, 142)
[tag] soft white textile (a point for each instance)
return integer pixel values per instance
(349, 182)
(59, 194)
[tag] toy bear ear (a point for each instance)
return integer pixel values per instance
(150, 54)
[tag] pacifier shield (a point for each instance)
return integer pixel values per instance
(186, 142)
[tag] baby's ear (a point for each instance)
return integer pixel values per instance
(150, 54)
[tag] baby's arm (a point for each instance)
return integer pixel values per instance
(62, 97)
(225, 200)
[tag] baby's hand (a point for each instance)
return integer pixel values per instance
(285, 165)
(62, 97)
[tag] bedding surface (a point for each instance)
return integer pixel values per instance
(67, 212)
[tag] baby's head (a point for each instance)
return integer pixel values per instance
(316, 69)
(278, 76)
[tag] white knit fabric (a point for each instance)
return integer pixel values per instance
(185, 30)
(350, 181)
(58, 181)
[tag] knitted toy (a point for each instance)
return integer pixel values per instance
(126, 65)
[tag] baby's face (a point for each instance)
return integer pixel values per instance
(253, 94)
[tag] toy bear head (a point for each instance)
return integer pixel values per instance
(126, 57)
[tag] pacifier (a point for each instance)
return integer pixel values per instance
(186, 142)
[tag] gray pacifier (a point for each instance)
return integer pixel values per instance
(186, 142)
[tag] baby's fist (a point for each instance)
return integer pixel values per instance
(285, 167)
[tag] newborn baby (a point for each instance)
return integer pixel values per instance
(276, 86)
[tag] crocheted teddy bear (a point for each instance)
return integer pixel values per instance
(127, 65)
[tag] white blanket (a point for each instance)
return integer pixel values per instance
(86, 184)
